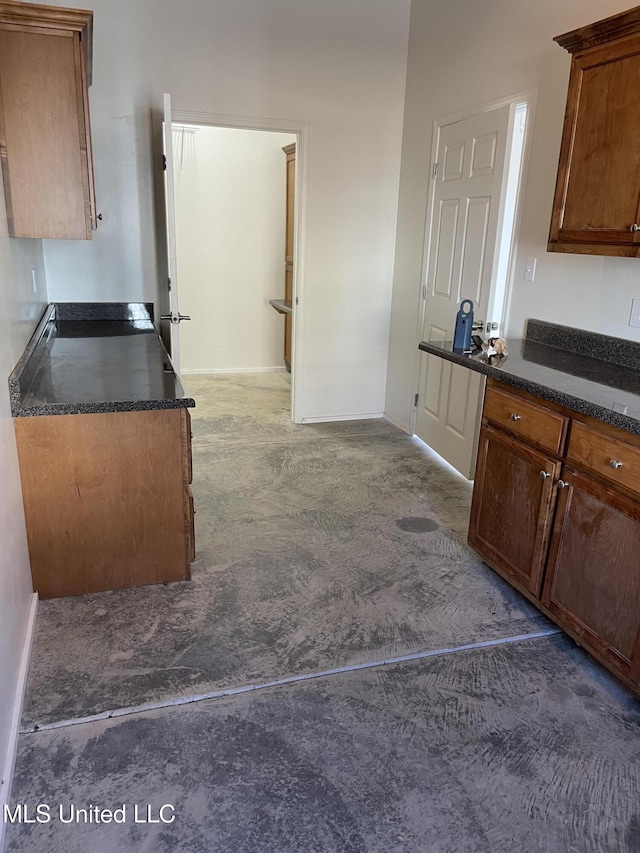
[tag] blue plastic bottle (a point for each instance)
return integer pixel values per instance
(464, 322)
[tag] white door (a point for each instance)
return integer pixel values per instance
(174, 317)
(462, 263)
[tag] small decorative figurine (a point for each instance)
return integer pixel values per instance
(497, 346)
(494, 352)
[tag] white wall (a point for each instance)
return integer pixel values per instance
(464, 53)
(338, 65)
(20, 309)
(230, 223)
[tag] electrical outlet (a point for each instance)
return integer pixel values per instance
(634, 319)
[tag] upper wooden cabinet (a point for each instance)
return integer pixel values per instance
(45, 138)
(596, 208)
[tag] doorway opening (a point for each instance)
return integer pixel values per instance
(230, 197)
(479, 158)
(239, 275)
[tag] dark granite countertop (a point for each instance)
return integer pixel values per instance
(588, 373)
(95, 357)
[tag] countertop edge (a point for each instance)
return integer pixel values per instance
(561, 398)
(101, 408)
(18, 410)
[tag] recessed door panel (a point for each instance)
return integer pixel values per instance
(483, 159)
(445, 248)
(458, 402)
(475, 241)
(453, 161)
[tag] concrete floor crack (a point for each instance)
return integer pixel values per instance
(281, 682)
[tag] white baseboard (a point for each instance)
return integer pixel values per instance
(332, 418)
(12, 746)
(214, 372)
(400, 424)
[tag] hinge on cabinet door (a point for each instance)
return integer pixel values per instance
(434, 172)
(415, 400)
(169, 284)
(164, 162)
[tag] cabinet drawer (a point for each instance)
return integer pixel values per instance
(600, 454)
(534, 423)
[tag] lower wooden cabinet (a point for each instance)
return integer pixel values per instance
(512, 507)
(593, 576)
(107, 499)
(561, 522)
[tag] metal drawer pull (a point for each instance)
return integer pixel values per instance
(562, 484)
(544, 475)
(634, 228)
(516, 417)
(615, 463)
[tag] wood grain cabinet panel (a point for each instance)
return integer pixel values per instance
(106, 499)
(617, 462)
(530, 421)
(593, 580)
(45, 136)
(512, 507)
(563, 526)
(597, 199)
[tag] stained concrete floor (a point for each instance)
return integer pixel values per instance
(319, 548)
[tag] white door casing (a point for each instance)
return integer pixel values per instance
(170, 213)
(466, 223)
(301, 129)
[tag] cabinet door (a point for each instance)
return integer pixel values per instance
(45, 143)
(592, 584)
(105, 499)
(512, 507)
(598, 187)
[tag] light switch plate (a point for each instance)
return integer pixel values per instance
(530, 269)
(634, 319)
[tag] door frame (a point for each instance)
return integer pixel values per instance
(528, 97)
(301, 131)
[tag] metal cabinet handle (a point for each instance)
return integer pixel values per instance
(562, 484)
(544, 475)
(478, 326)
(615, 463)
(516, 417)
(634, 228)
(175, 318)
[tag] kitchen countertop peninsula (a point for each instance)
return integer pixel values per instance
(103, 435)
(90, 358)
(595, 375)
